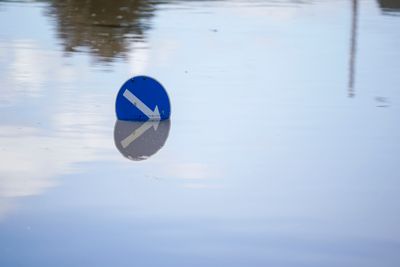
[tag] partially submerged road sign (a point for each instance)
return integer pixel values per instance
(142, 98)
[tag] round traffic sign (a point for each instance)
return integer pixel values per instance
(142, 98)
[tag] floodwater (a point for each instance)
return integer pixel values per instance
(283, 148)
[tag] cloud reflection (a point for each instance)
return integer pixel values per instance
(31, 159)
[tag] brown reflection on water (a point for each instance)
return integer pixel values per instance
(389, 5)
(103, 28)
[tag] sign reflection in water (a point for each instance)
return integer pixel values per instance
(140, 140)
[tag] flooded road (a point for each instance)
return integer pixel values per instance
(283, 147)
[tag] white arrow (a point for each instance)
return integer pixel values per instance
(138, 132)
(152, 115)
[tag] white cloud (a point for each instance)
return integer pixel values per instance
(138, 58)
(32, 158)
(31, 161)
(27, 69)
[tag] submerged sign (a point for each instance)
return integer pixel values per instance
(141, 99)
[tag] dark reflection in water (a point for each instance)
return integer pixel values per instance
(140, 140)
(389, 6)
(105, 28)
(353, 47)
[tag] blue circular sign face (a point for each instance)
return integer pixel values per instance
(142, 98)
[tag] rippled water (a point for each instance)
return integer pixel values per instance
(283, 148)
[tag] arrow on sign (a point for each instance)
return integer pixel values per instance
(152, 115)
(138, 132)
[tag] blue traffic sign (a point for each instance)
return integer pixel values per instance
(142, 98)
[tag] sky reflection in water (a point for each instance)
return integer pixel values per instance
(282, 148)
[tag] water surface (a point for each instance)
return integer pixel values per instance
(283, 147)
